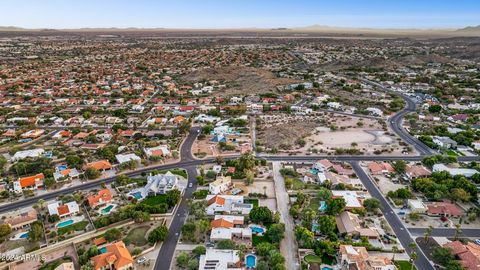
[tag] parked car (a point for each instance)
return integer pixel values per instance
(141, 260)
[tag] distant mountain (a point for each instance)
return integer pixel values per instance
(11, 28)
(469, 29)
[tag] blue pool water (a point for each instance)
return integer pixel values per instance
(62, 167)
(257, 230)
(65, 223)
(250, 261)
(107, 209)
(323, 206)
(24, 236)
(327, 268)
(103, 250)
(137, 195)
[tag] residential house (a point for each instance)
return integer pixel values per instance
(62, 172)
(33, 153)
(101, 165)
(21, 220)
(377, 168)
(103, 196)
(444, 209)
(468, 254)
(116, 257)
(454, 171)
(220, 259)
(417, 206)
(32, 182)
(158, 151)
(353, 199)
(62, 210)
(156, 184)
(229, 204)
(444, 142)
(415, 171)
(124, 158)
(350, 257)
(220, 185)
(351, 224)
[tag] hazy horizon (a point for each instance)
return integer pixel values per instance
(216, 14)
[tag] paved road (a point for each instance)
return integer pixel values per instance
(165, 256)
(396, 121)
(446, 232)
(288, 246)
(402, 233)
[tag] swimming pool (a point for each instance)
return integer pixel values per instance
(257, 229)
(137, 195)
(103, 250)
(323, 206)
(327, 268)
(65, 223)
(107, 209)
(24, 235)
(62, 167)
(251, 261)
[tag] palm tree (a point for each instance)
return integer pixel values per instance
(458, 230)
(428, 233)
(394, 250)
(413, 257)
(413, 254)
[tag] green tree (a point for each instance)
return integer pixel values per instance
(276, 232)
(5, 230)
(36, 231)
(226, 244)
(261, 214)
(92, 173)
(371, 204)
(443, 255)
(264, 248)
(159, 234)
(113, 234)
(327, 224)
(400, 166)
(172, 197)
(182, 259)
(335, 206)
(199, 250)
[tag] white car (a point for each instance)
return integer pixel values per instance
(477, 241)
(141, 260)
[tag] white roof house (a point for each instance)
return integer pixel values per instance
(220, 185)
(454, 171)
(354, 199)
(220, 259)
(123, 158)
(228, 204)
(69, 208)
(417, 206)
(220, 233)
(161, 150)
(33, 153)
(156, 184)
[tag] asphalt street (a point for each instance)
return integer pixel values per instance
(400, 231)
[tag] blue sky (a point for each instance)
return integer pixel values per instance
(240, 13)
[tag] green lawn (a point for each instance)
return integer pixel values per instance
(155, 200)
(79, 226)
(137, 236)
(404, 265)
(297, 184)
(314, 203)
(252, 201)
(259, 239)
(452, 153)
(313, 259)
(180, 172)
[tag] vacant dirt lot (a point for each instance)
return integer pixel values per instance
(239, 80)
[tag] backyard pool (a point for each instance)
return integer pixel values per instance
(107, 209)
(327, 268)
(323, 207)
(257, 229)
(19, 236)
(137, 195)
(65, 223)
(104, 249)
(251, 261)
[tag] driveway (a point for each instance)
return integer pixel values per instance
(288, 246)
